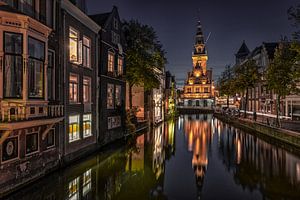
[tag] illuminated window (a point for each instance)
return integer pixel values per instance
(74, 189)
(110, 62)
(118, 95)
(73, 44)
(87, 182)
(189, 90)
(36, 60)
(120, 66)
(86, 90)
(73, 88)
(206, 89)
(110, 96)
(197, 90)
(32, 143)
(74, 128)
(86, 52)
(115, 38)
(87, 125)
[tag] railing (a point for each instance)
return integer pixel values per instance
(15, 112)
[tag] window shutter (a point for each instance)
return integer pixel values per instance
(80, 52)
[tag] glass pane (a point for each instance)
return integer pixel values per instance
(73, 45)
(31, 143)
(13, 71)
(35, 78)
(50, 75)
(13, 43)
(36, 48)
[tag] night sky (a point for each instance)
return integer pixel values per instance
(229, 21)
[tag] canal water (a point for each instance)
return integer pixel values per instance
(195, 157)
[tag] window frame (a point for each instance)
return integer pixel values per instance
(84, 122)
(87, 55)
(89, 79)
(72, 101)
(110, 61)
(72, 124)
(119, 102)
(77, 44)
(54, 137)
(53, 76)
(120, 67)
(38, 143)
(4, 65)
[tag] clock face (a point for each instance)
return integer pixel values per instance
(10, 148)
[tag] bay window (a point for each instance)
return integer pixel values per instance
(110, 96)
(87, 125)
(110, 63)
(74, 128)
(86, 52)
(73, 88)
(36, 51)
(13, 65)
(86, 90)
(50, 75)
(73, 44)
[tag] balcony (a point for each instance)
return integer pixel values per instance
(16, 112)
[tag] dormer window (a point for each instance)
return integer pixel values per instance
(116, 23)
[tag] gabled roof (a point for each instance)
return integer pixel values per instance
(270, 47)
(243, 50)
(100, 18)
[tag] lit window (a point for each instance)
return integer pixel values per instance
(118, 95)
(73, 88)
(13, 65)
(87, 182)
(86, 90)
(10, 149)
(74, 128)
(74, 189)
(206, 89)
(87, 125)
(189, 90)
(86, 52)
(110, 96)
(120, 66)
(197, 90)
(73, 44)
(32, 143)
(110, 62)
(36, 59)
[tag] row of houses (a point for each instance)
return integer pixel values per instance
(261, 99)
(62, 86)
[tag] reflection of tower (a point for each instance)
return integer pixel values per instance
(198, 132)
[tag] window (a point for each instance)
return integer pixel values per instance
(74, 128)
(114, 122)
(87, 182)
(115, 38)
(118, 95)
(116, 24)
(74, 189)
(27, 6)
(73, 88)
(87, 125)
(189, 90)
(110, 62)
(206, 89)
(120, 66)
(32, 143)
(86, 52)
(50, 75)
(36, 59)
(197, 90)
(86, 90)
(50, 140)
(13, 65)
(49, 13)
(10, 149)
(110, 96)
(73, 44)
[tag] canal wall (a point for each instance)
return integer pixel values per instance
(285, 138)
(193, 110)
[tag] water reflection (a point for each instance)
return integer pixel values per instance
(195, 157)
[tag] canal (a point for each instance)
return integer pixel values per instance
(195, 157)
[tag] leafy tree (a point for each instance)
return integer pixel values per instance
(246, 77)
(145, 56)
(281, 74)
(226, 84)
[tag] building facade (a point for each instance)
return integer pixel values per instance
(112, 84)
(31, 106)
(198, 88)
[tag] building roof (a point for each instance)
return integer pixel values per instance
(100, 18)
(243, 49)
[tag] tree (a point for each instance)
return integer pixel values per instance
(246, 77)
(226, 84)
(280, 75)
(144, 55)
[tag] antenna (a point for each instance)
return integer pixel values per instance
(207, 38)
